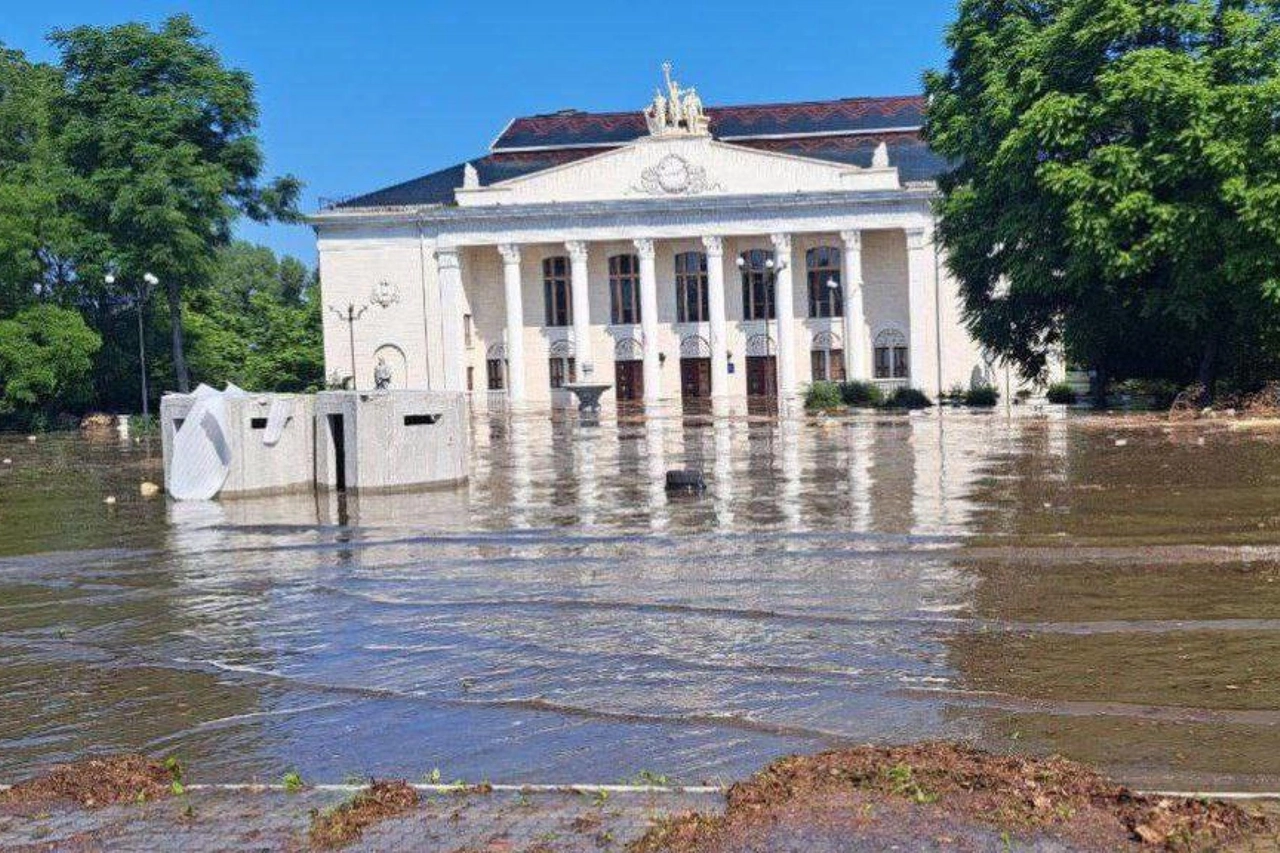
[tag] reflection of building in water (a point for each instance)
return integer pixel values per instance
(744, 256)
(787, 448)
(723, 468)
(656, 472)
(861, 467)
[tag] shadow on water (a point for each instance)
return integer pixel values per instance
(1023, 582)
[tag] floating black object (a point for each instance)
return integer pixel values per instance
(688, 482)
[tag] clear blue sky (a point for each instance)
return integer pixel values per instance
(358, 95)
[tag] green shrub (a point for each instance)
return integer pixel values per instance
(1062, 393)
(861, 394)
(823, 396)
(908, 398)
(981, 395)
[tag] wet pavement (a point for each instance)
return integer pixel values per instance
(1023, 583)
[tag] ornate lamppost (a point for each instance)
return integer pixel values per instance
(349, 317)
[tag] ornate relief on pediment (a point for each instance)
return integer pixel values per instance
(674, 175)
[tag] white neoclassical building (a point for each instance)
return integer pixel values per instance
(680, 253)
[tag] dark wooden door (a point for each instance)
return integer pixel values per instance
(628, 379)
(762, 376)
(695, 378)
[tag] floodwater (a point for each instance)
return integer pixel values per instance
(1021, 582)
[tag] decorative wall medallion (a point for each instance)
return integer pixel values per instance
(385, 294)
(674, 175)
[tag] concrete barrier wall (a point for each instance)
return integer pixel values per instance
(256, 468)
(390, 440)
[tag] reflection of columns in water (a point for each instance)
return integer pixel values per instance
(861, 461)
(586, 445)
(521, 476)
(655, 455)
(723, 468)
(788, 450)
(928, 510)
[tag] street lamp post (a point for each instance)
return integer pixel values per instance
(141, 294)
(349, 317)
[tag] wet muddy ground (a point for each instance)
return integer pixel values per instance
(1105, 589)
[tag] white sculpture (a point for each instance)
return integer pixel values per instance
(678, 112)
(880, 159)
(470, 177)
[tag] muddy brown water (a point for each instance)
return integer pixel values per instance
(1019, 582)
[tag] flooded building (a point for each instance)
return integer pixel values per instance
(676, 252)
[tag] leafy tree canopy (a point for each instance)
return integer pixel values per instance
(46, 356)
(1116, 180)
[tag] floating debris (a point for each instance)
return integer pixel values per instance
(96, 782)
(148, 489)
(346, 823)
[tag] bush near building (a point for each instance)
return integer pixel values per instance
(981, 395)
(1061, 393)
(908, 398)
(859, 394)
(823, 397)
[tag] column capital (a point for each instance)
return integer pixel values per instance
(781, 243)
(644, 248)
(577, 249)
(714, 246)
(917, 238)
(510, 252)
(447, 257)
(852, 239)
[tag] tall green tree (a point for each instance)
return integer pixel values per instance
(257, 323)
(1115, 181)
(158, 138)
(36, 254)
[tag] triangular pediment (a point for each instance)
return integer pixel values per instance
(683, 166)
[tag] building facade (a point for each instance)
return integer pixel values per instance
(678, 253)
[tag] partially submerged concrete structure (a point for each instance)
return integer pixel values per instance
(387, 440)
(239, 444)
(261, 457)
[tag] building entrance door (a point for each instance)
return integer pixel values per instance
(695, 378)
(628, 380)
(762, 376)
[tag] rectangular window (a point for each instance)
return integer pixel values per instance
(420, 420)
(691, 288)
(471, 378)
(466, 330)
(818, 361)
(883, 368)
(497, 374)
(901, 367)
(828, 365)
(556, 291)
(757, 285)
(826, 297)
(624, 289)
(563, 372)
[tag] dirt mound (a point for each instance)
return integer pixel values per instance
(96, 782)
(939, 789)
(344, 824)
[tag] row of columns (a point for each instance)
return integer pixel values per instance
(854, 328)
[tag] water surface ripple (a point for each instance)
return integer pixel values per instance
(1021, 582)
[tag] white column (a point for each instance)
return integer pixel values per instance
(453, 352)
(855, 322)
(649, 320)
(581, 307)
(515, 320)
(785, 304)
(921, 308)
(715, 305)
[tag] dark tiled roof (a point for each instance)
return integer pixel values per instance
(843, 131)
(848, 115)
(438, 187)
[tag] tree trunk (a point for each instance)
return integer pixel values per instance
(175, 328)
(1207, 375)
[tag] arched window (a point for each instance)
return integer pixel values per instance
(496, 367)
(561, 364)
(890, 352)
(826, 298)
(757, 285)
(624, 289)
(827, 357)
(691, 288)
(555, 291)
